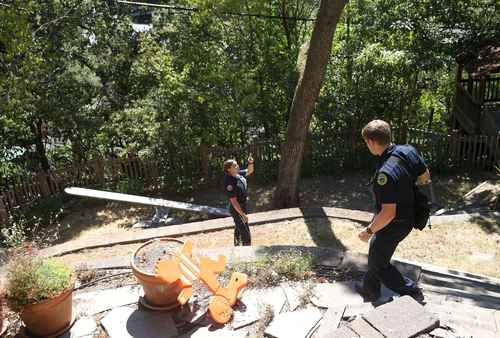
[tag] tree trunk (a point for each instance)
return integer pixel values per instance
(312, 61)
(37, 129)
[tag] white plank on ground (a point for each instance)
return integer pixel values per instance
(108, 195)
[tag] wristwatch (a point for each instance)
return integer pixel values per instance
(369, 231)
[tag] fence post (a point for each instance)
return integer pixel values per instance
(99, 171)
(44, 186)
(4, 215)
(204, 158)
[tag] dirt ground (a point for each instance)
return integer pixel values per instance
(460, 246)
(472, 247)
(87, 217)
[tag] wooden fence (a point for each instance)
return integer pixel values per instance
(327, 155)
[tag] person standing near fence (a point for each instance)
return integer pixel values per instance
(399, 168)
(235, 185)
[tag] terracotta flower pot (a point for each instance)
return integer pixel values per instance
(50, 317)
(157, 293)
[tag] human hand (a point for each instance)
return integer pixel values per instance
(364, 235)
(244, 218)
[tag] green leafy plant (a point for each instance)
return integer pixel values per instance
(31, 280)
(40, 224)
(270, 270)
(131, 186)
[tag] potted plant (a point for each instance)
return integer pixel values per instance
(41, 291)
(158, 295)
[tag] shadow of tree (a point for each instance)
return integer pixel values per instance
(489, 222)
(321, 232)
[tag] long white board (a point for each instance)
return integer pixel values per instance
(114, 196)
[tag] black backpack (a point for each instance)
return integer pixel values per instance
(422, 203)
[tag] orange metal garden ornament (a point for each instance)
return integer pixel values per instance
(186, 268)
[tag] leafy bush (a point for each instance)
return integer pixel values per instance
(131, 186)
(270, 270)
(41, 224)
(31, 280)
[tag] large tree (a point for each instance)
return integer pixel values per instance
(312, 62)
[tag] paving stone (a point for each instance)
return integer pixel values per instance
(115, 262)
(464, 316)
(245, 314)
(403, 317)
(212, 332)
(190, 313)
(259, 298)
(126, 322)
(443, 333)
(344, 332)
(94, 302)
(330, 322)
(285, 324)
(328, 295)
(83, 327)
(496, 315)
(364, 329)
(293, 293)
(357, 309)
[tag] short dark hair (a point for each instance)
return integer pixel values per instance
(378, 131)
(228, 164)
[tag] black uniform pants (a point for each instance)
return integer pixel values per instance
(241, 229)
(382, 247)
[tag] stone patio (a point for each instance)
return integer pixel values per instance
(457, 305)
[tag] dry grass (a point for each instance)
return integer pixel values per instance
(461, 246)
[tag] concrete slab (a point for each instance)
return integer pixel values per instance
(275, 297)
(83, 327)
(91, 303)
(464, 316)
(116, 262)
(344, 332)
(496, 315)
(245, 314)
(357, 309)
(330, 322)
(212, 332)
(364, 329)
(328, 295)
(127, 322)
(293, 293)
(443, 333)
(392, 321)
(285, 324)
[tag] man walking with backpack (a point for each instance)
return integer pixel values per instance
(399, 168)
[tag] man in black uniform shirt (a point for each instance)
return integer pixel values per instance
(235, 185)
(398, 169)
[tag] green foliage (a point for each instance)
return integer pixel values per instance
(31, 280)
(131, 186)
(270, 270)
(78, 72)
(41, 224)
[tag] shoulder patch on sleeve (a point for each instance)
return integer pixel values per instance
(229, 187)
(382, 179)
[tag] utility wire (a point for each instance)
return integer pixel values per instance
(195, 9)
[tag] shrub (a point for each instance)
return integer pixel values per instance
(31, 280)
(271, 270)
(131, 186)
(41, 224)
